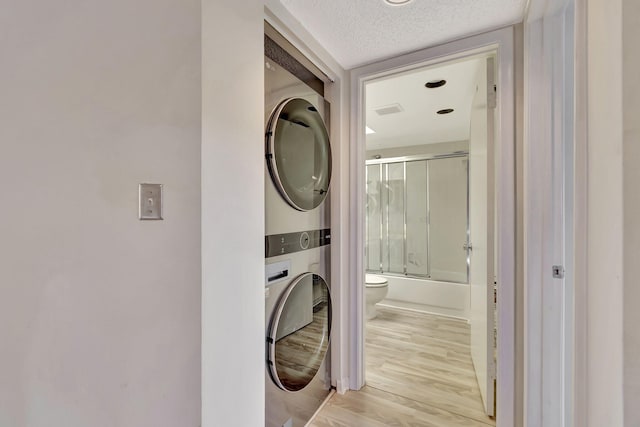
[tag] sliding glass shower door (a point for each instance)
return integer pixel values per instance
(448, 219)
(374, 219)
(417, 217)
(393, 247)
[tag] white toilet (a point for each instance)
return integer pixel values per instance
(376, 289)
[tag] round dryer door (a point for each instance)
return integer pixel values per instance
(299, 153)
(298, 336)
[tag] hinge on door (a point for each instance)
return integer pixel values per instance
(558, 272)
(492, 95)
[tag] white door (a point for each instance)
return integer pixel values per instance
(481, 232)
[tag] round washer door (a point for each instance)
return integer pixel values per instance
(298, 153)
(298, 336)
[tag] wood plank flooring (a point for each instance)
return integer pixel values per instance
(419, 373)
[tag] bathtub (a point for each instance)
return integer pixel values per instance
(429, 296)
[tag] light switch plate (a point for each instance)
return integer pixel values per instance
(150, 199)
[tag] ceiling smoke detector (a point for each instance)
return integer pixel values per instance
(397, 2)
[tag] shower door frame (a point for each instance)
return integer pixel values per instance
(406, 159)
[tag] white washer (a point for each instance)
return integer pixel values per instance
(298, 307)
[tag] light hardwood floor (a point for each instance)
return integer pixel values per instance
(419, 373)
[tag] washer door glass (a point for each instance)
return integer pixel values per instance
(299, 332)
(299, 153)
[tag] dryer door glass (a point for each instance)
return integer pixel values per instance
(299, 153)
(299, 332)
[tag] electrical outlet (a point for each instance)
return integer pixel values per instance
(150, 199)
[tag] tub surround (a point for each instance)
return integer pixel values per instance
(442, 298)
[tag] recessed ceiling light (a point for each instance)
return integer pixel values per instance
(397, 2)
(445, 111)
(435, 83)
(368, 130)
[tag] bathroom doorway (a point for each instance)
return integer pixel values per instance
(419, 256)
(430, 312)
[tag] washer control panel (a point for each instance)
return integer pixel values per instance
(281, 244)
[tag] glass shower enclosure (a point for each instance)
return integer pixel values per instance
(417, 222)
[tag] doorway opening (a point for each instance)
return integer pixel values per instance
(446, 257)
(429, 233)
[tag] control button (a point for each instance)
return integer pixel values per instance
(304, 240)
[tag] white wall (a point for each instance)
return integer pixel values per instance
(607, 236)
(232, 214)
(99, 312)
(604, 204)
(631, 176)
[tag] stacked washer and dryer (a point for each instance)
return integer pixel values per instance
(297, 241)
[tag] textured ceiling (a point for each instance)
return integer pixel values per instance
(357, 32)
(419, 124)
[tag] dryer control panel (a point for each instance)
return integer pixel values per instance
(281, 244)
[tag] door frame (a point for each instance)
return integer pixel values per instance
(501, 41)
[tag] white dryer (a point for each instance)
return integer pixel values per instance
(297, 153)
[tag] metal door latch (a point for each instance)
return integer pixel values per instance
(558, 272)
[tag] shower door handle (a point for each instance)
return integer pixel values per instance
(467, 247)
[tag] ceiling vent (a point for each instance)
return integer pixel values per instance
(389, 109)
